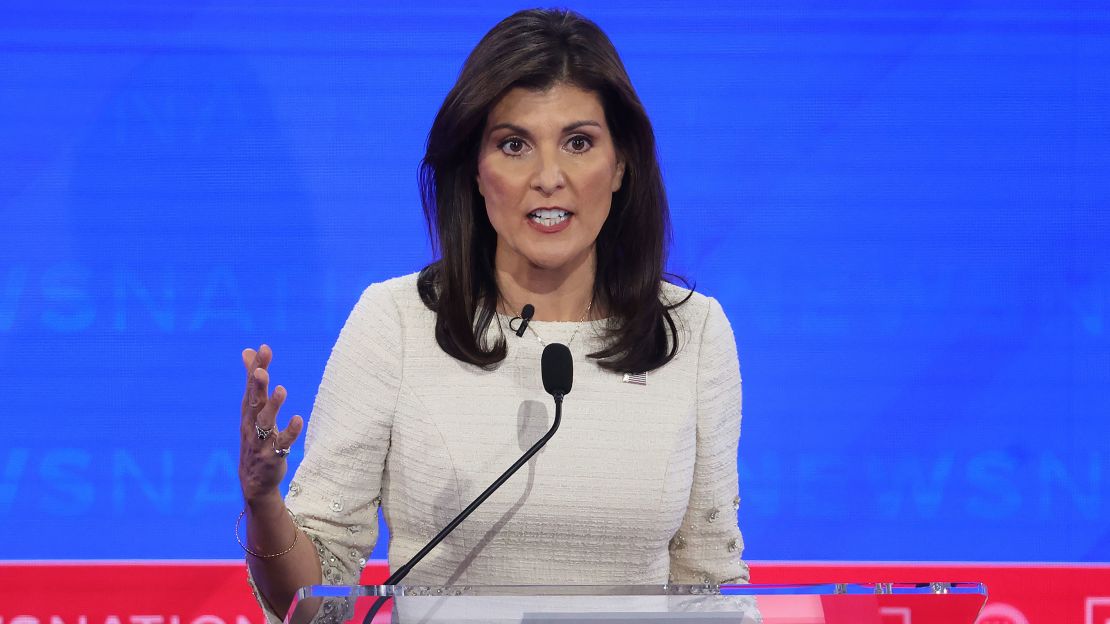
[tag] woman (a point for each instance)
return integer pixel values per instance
(541, 186)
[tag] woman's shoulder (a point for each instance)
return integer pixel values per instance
(689, 305)
(396, 294)
(701, 319)
(399, 286)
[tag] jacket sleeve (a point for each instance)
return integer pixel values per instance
(708, 546)
(336, 491)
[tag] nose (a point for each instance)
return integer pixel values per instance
(549, 176)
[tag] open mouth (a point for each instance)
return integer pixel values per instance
(549, 216)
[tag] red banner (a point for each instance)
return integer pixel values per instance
(217, 592)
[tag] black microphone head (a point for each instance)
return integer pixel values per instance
(527, 311)
(557, 369)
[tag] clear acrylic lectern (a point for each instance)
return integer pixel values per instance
(834, 603)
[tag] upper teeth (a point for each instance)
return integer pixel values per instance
(549, 213)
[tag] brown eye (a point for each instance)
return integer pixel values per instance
(579, 143)
(512, 147)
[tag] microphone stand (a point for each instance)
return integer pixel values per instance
(404, 570)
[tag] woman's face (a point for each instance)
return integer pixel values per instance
(547, 169)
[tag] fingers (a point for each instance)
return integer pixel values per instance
(260, 409)
(254, 393)
(286, 437)
(267, 416)
(254, 400)
(258, 380)
(257, 359)
(258, 389)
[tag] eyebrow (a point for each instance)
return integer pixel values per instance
(520, 130)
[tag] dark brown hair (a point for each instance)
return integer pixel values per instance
(536, 49)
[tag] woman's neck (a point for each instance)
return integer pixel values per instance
(557, 295)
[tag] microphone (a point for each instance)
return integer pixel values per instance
(557, 368)
(557, 371)
(526, 314)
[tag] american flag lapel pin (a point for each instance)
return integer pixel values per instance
(640, 379)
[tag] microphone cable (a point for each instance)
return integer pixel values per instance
(556, 367)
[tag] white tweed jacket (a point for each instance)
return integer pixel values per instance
(639, 485)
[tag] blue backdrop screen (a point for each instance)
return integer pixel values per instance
(902, 209)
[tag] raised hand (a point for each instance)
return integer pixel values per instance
(262, 446)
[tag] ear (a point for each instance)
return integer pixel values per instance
(618, 176)
(478, 180)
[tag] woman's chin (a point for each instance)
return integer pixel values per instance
(553, 257)
(555, 262)
(548, 264)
